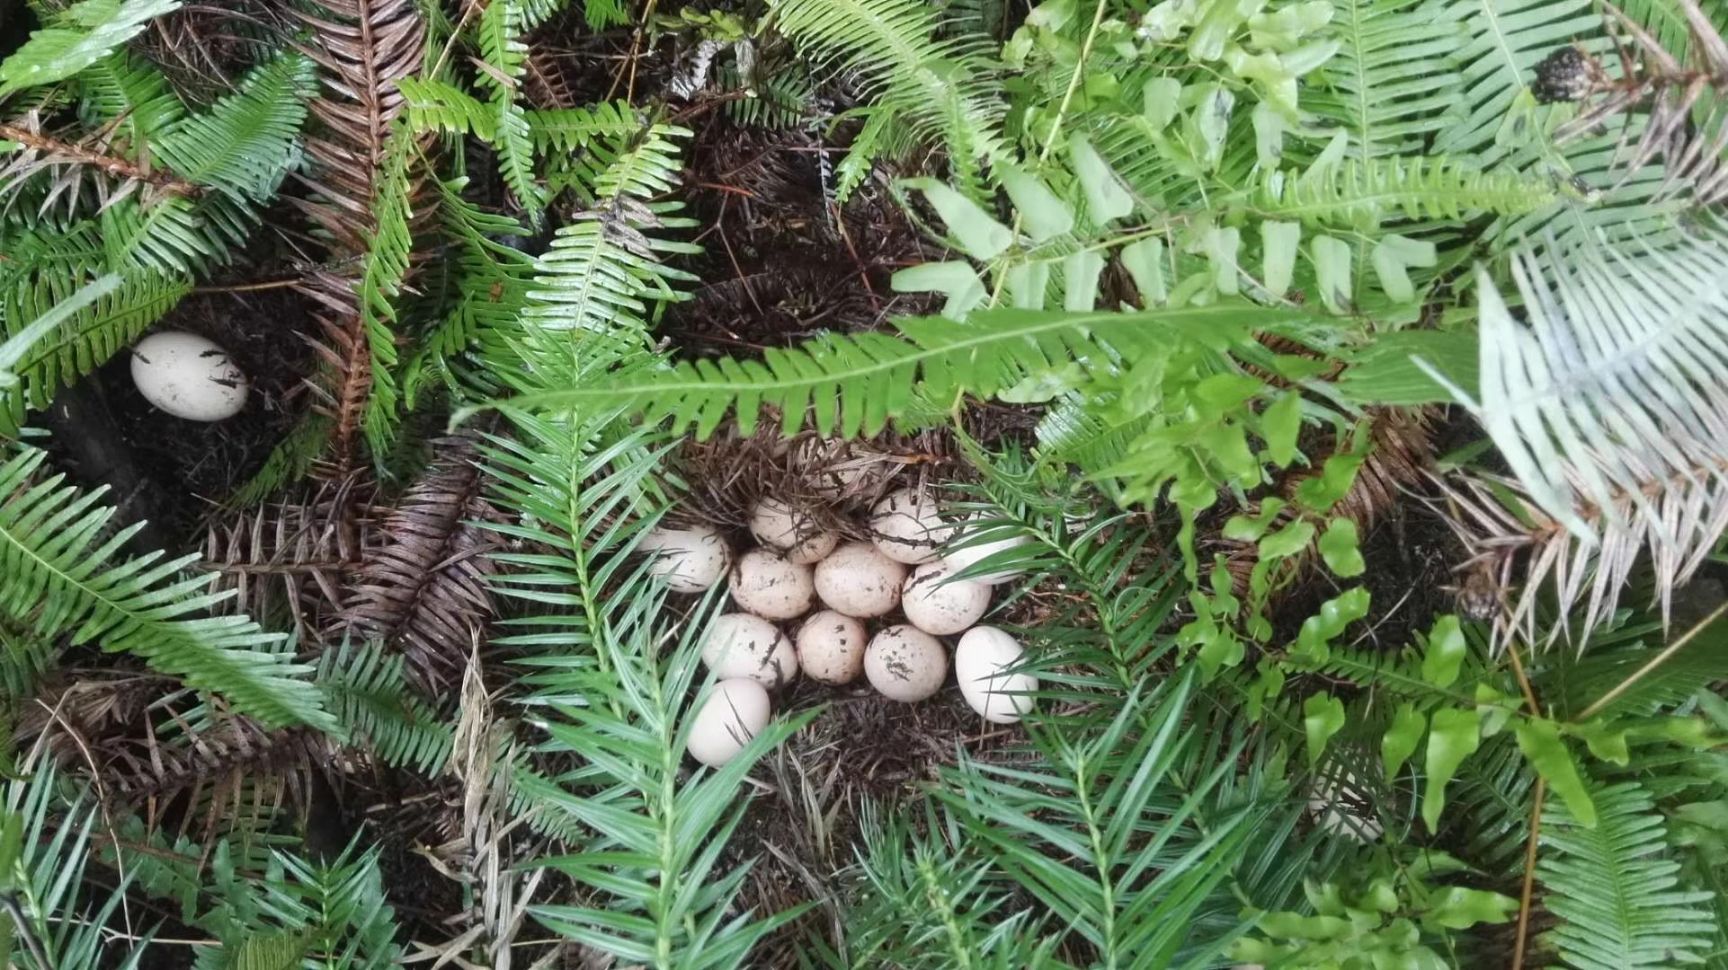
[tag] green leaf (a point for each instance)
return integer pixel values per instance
(1402, 738)
(980, 236)
(955, 278)
(1388, 372)
(1332, 272)
(1279, 243)
(1453, 736)
(1459, 908)
(1539, 739)
(1339, 548)
(56, 53)
(1043, 213)
(1144, 261)
(1106, 199)
(1322, 717)
(1279, 425)
(1288, 541)
(20, 343)
(1445, 654)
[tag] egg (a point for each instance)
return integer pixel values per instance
(728, 716)
(831, 647)
(769, 586)
(188, 377)
(937, 603)
(741, 645)
(797, 535)
(976, 549)
(983, 653)
(858, 580)
(687, 560)
(907, 526)
(1333, 801)
(905, 664)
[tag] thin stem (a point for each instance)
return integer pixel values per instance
(118, 167)
(25, 932)
(1529, 875)
(1654, 662)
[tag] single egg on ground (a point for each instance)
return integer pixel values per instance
(795, 534)
(741, 645)
(858, 580)
(770, 586)
(975, 549)
(907, 526)
(187, 376)
(686, 560)
(727, 717)
(979, 661)
(937, 603)
(905, 664)
(831, 647)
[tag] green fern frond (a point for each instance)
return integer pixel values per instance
(244, 144)
(855, 383)
(442, 107)
(1392, 83)
(60, 576)
(368, 694)
(76, 38)
(555, 130)
(385, 266)
(1507, 39)
(1616, 893)
(1366, 193)
(499, 34)
(124, 88)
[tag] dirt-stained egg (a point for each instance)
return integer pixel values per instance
(937, 603)
(906, 664)
(187, 376)
(858, 580)
(980, 543)
(741, 645)
(831, 647)
(686, 560)
(795, 534)
(770, 586)
(730, 714)
(907, 526)
(979, 661)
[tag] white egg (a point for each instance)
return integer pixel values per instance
(687, 560)
(983, 653)
(1332, 802)
(858, 580)
(795, 534)
(769, 586)
(741, 645)
(188, 377)
(907, 526)
(732, 712)
(974, 551)
(831, 647)
(938, 604)
(905, 664)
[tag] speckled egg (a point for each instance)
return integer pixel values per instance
(727, 717)
(858, 580)
(769, 586)
(687, 560)
(187, 376)
(907, 526)
(831, 647)
(937, 603)
(906, 664)
(979, 661)
(741, 645)
(794, 534)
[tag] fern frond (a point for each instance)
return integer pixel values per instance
(59, 577)
(1619, 899)
(1507, 38)
(853, 384)
(1604, 410)
(384, 269)
(76, 38)
(1366, 193)
(1392, 83)
(368, 693)
(244, 144)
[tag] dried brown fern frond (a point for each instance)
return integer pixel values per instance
(296, 559)
(87, 163)
(422, 589)
(1677, 97)
(1402, 451)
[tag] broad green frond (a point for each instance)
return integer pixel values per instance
(574, 129)
(941, 88)
(76, 38)
(125, 88)
(439, 106)
(1365, 194)
(1608, 406)
(1392, 82)
(855, 383)
(243, 145)
(61, 575)
(1618, 897)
